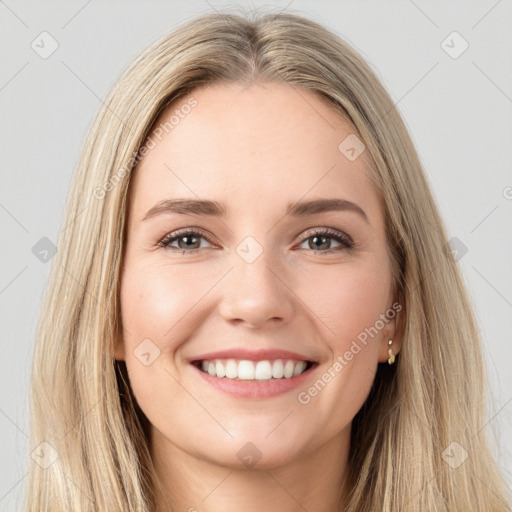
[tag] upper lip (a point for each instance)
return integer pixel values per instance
(252, 355)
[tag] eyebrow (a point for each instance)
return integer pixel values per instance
(216, 209)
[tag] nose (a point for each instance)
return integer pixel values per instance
(256, 293)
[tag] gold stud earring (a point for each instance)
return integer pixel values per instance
(391, 358)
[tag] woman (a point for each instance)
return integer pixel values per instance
(254, 305)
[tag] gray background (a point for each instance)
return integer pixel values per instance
(458, 111)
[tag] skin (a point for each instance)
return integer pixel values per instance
(256, 149)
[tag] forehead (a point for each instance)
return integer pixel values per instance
(235, 143)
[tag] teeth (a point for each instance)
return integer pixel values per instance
(231, 369)
(263, 370)
(220, 369)
(288, 369)
(253, 370)
(278, 369)
(246, 370)
(299, 368)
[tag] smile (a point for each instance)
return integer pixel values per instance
(263, 370)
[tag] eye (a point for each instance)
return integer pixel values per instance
(320, 239)
(188, 241)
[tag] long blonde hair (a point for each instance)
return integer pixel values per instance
(82, 406)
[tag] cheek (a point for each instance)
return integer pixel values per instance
(155, 299)
(349, 300)
(161, 308)
(350, 304)
(158, 306)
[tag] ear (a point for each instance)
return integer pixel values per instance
(393, 330)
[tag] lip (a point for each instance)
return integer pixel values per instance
(252, 355)
(256, 390)
(250, 389)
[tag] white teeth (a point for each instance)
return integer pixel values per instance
(231, 369)
(220, 369)
(246, 370)
(299, 368)
(278, 369)
(253, 370)
(288, 369)
(263, 370)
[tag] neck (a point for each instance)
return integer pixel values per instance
(312, 481)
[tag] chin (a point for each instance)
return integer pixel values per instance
(252, 457)
(254, 452)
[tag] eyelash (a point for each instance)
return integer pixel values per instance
(346, 241)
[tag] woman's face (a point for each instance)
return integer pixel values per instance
(248, 283)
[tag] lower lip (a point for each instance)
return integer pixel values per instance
(255, 389)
